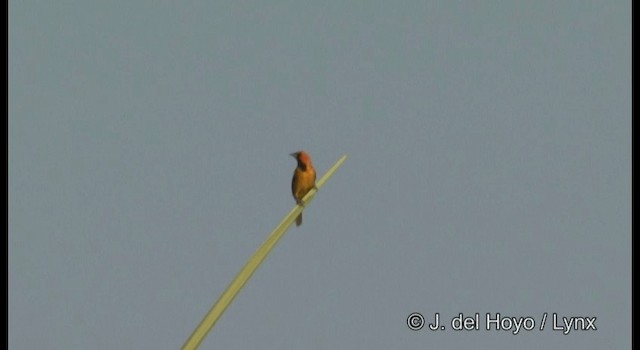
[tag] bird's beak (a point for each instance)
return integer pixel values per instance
(294, 154)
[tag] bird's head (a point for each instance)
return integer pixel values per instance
(302, 157)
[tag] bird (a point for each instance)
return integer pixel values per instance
(304, 179)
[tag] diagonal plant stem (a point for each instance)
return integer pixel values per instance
(252, 265)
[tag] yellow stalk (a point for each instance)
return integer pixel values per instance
(252, 265)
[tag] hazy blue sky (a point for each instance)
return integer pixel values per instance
(489, 171)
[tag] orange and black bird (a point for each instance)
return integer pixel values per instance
(304, 179)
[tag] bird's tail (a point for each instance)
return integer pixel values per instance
(299, 220)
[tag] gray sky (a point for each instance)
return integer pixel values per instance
(489, 171)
